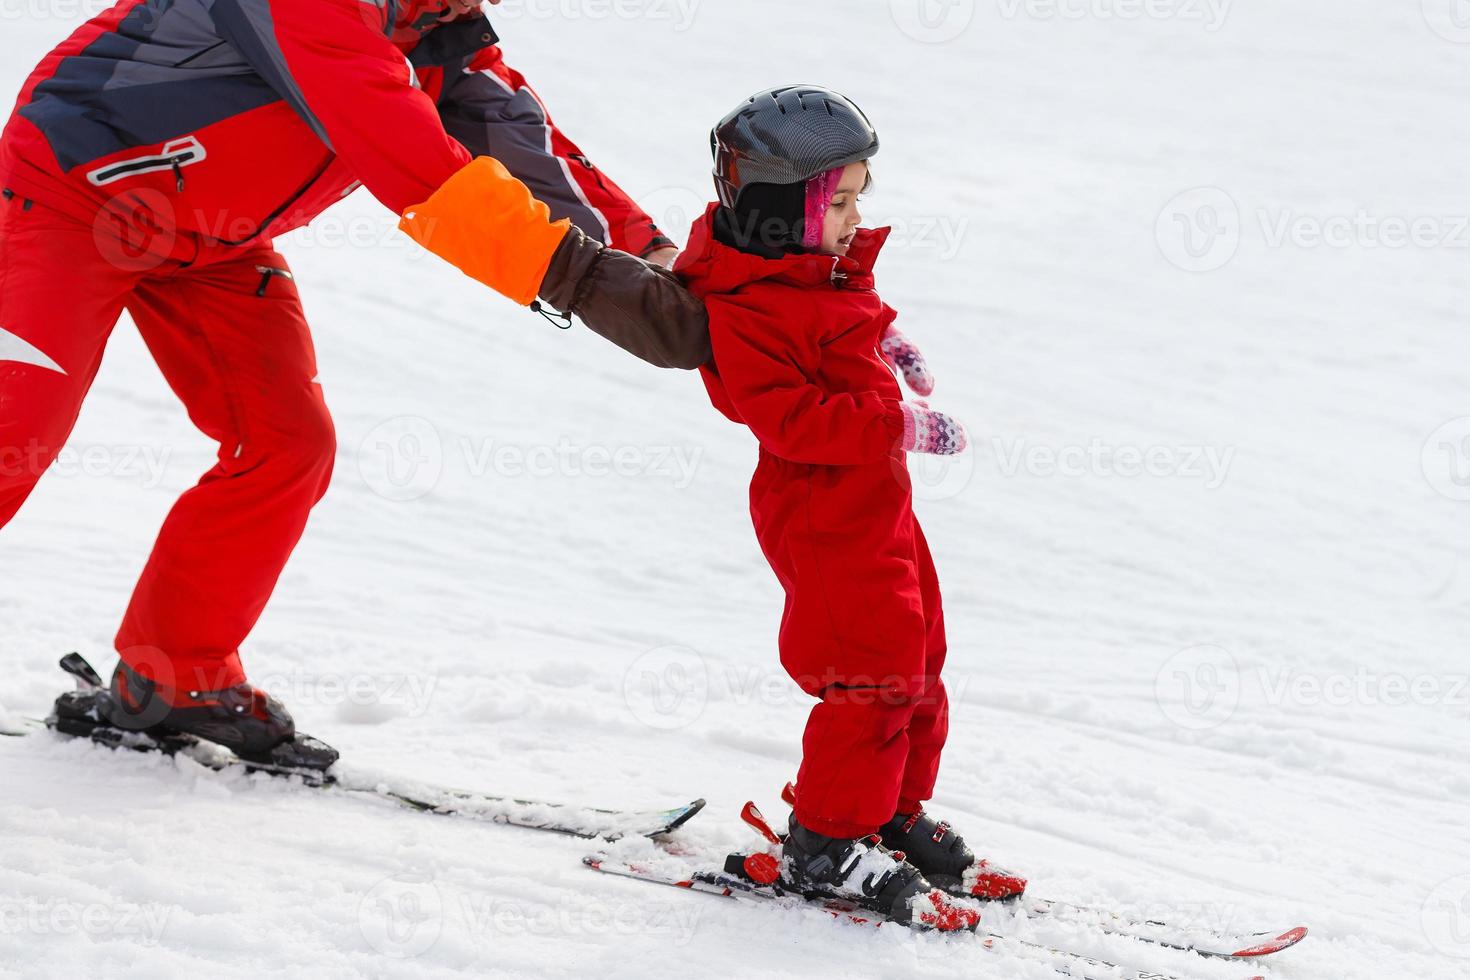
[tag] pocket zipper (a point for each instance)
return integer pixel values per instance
(266, 272)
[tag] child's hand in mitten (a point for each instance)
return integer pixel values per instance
(905, 358)
(928, 431)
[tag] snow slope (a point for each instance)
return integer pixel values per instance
(1227, 689)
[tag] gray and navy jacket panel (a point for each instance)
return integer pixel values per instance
(241, 119)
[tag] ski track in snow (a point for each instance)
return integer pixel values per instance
(506, 621)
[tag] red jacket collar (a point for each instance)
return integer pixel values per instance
(711, 267)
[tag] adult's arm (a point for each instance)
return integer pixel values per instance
(332, 60)
(491, 110)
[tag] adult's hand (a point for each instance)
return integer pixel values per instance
(639, 306)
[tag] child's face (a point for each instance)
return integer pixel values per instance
(843, 217)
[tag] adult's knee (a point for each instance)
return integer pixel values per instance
(300, 451)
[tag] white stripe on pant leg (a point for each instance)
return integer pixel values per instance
(13, 348)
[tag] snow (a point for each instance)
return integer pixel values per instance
(1226, 689)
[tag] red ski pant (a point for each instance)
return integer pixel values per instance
(863, 631)
(231, 340)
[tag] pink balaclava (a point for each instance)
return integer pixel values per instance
(819, 193)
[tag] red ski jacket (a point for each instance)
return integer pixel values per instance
(795, 344)
(243, 119)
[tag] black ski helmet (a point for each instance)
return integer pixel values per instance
(788, 135)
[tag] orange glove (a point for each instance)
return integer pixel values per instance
(486, 223)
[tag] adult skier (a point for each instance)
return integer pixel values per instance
(151, 159)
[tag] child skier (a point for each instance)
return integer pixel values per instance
(802, 353)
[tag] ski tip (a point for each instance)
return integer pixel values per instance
(676, 819)
(687, 815)
(1284, 941)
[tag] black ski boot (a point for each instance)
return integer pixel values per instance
(868, 875)
(941, 854)
(243, 718)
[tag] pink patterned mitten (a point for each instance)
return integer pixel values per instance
(928, 431)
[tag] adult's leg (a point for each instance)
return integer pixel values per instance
(233, 343)
(59, 300)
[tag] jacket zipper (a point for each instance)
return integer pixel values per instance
(270, 218)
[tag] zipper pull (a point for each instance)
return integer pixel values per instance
(562, 321)
(266, 272)
(178, 170)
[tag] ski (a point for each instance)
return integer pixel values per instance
(1202, 941)
(77, 717)
(560, 818)
(731, 883)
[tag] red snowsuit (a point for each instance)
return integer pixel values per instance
(150, 160)
(796, 359)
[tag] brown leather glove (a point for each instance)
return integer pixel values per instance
(643, 309)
